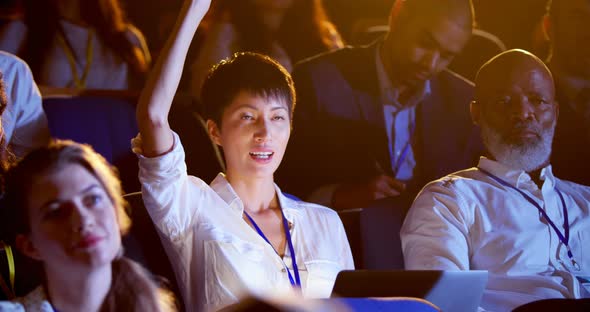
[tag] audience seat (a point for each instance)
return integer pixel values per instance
(374, 233)
(351, 219)
(366, 30)
(381, 223)
(570, 305)
(388, 304)
(142, 244)
(479, 49)
(203, 158)
(289, 304)
(105, 122)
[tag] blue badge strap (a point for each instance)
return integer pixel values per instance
(406, 149)
(294, 282)
(291, 250)
(563, 238)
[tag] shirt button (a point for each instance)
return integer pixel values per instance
(283, 270)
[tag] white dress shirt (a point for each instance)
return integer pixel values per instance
(24, 122)
(469, 221)
(216, 255)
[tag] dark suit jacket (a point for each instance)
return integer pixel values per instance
(571, 146)
(339, 129)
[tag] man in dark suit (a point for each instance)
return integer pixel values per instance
(570, 63)
(382, 120)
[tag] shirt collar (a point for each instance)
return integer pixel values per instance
(515, 177)
(389, 93)
(223, 188)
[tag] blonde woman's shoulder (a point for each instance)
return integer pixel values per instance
(35, 301)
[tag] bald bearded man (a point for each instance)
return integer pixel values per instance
(509, 215)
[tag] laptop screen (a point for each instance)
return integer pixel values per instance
(448, 290)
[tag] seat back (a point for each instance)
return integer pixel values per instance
(142, 244)
(107, 123)
(351, 219)
(388, 304)
(481, 47)
(570, 305)
(380, 224)
(373, 233)
(203, 158)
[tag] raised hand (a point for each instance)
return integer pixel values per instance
(157, 96)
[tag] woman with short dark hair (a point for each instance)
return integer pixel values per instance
(240, 234)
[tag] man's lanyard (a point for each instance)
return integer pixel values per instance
(79, 83)
(296, 282)
(563, 238)
(406, 149)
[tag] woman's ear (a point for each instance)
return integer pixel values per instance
(25, 246)
(214, 132)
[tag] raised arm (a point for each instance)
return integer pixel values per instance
(157, 96)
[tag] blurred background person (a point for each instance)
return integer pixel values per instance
(568, 24)
(371, 120)
(5, 155)
(23, 127)
(23, 119)
(514, 22)
(286, 30)
(78, 44)
(67, 212)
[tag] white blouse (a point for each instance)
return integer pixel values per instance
(217, 257)
(35, 301)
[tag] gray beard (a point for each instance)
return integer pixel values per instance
(527, 156)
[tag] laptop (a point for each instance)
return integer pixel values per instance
(459, 291)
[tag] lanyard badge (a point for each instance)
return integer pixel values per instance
(294, 280)
(563, 237)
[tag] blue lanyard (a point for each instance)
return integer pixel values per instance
(294, 282)
(564, 238)
(406, 149)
